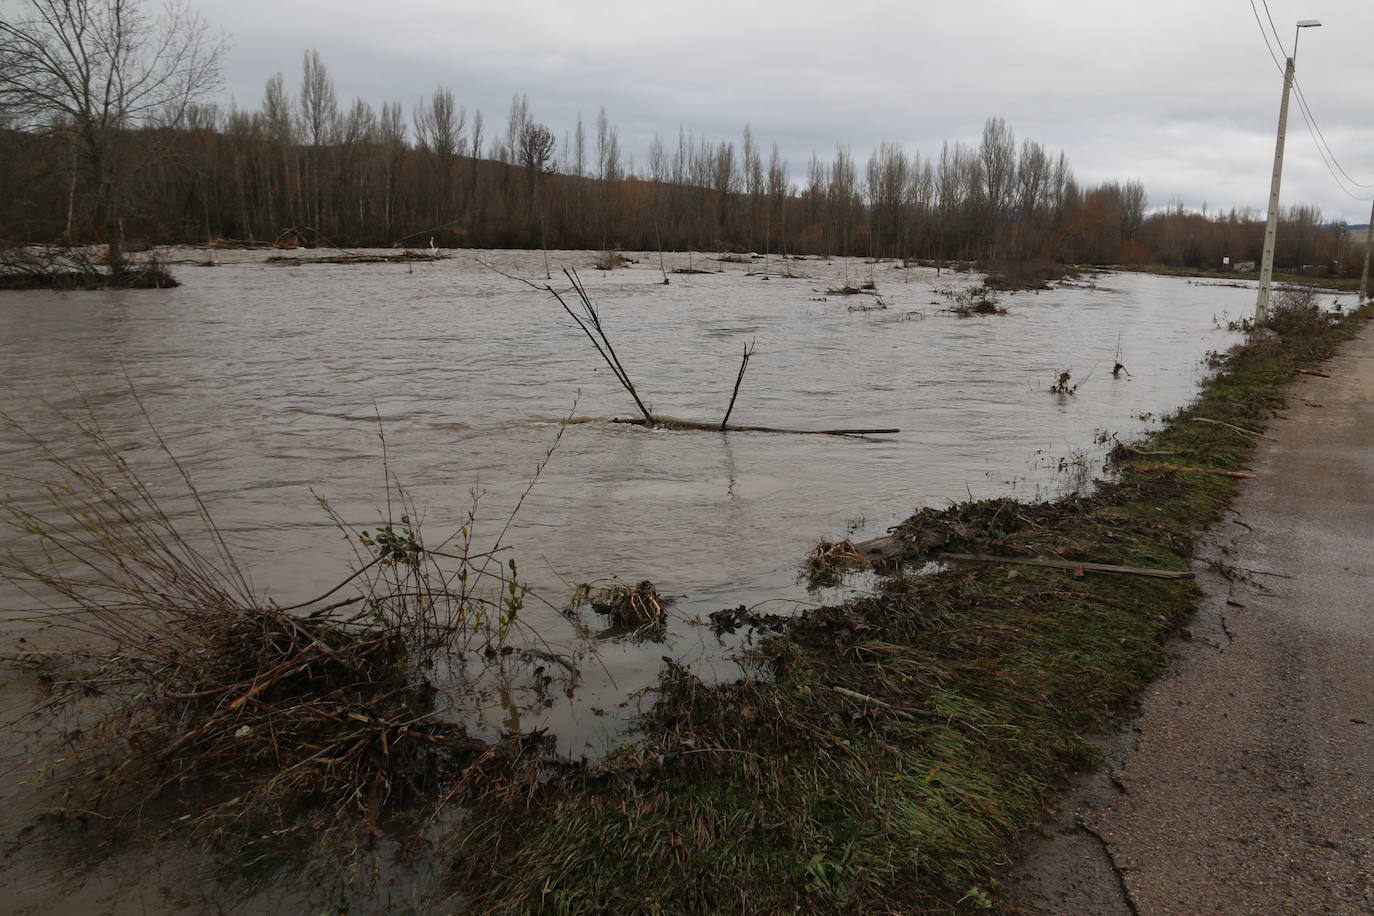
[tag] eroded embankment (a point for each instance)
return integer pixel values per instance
(890, 750)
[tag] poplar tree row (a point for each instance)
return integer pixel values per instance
(352, 176)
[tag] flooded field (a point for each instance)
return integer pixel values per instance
(271, 381)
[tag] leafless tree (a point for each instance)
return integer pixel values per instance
(105, 68)
(439, 128)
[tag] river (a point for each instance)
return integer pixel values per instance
(273, 380)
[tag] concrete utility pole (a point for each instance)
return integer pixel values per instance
(1368, 244)
(1271, 228)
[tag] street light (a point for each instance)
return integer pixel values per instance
(1267, 264)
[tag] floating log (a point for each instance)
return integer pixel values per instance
(884, 547)
(1071, 565)
(671, 423)
(1131, 449)
(407, 257)
(1238, 475)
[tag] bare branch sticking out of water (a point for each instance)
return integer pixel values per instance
(588, 319)
(744, 364)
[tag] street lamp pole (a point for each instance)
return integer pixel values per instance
(1271, 228)
(1368, 244)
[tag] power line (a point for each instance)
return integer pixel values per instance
(1277, 39)
(1324, 153)
(1318, 138)
(1265, 35)
(1302, 100)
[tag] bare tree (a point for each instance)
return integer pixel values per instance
(536, 155)
(439, 133)
(106, 68)
(517, 119)
(579, 153)
(536, 150)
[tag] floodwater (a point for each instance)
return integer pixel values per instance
(270, 381)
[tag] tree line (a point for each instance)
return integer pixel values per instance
(351, 175)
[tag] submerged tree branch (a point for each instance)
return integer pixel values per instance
(743, 364)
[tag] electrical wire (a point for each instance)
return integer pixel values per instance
(1265, 35)
(1318, 138)
(1302, 100)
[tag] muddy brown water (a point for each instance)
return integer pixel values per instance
(270, 380)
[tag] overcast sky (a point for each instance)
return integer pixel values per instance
(1181, 95)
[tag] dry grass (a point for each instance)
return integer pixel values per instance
(610, 260)
(829, 561)
(630, 606)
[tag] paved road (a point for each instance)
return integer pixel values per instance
(1250, 784)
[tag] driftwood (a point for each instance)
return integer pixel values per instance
(1314, 372)
(1122, 448)
(1239, 429)
(915, 715)
(1070, 564)
(673, 423)
(1238, 475)
(406, 257)
(880, 549)
(589, 320)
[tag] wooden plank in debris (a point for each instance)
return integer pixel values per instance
(1070, 565)
(1238, 475)
(1239, 429)
(884, 547)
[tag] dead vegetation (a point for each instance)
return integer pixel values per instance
(830, 561)
(878, 305)
(929, 532)
(252, 723)
(69, 268)
(628, 606)
(1033, 274)
(971, 301)
(611, 260)
(847, 290)
(1296, 312)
